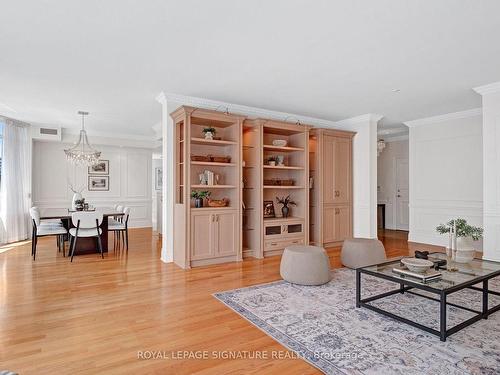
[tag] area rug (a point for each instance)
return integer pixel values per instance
(321, 325)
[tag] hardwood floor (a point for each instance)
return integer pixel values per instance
(93, 316)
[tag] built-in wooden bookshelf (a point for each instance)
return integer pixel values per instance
(241, 171)
(207, 235)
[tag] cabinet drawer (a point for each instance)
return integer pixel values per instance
(279, 245)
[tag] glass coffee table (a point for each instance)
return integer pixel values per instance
(466, 277)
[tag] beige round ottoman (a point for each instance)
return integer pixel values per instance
(362, 252)
(305, 265)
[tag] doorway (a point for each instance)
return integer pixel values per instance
(401, 208)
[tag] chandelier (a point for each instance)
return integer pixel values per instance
(380, 146)
(82, 153)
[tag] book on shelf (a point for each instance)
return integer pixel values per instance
(425, 276)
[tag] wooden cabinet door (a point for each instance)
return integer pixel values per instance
(202, 236)
(342, 165)
(329, 224)
(226, 236)
(343, 222)
(328, 160)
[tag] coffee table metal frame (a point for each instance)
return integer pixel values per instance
(407, 286)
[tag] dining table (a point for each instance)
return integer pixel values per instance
(84, 245)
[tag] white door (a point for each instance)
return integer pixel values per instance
(402, 214)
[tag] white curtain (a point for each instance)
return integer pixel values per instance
(15, 185)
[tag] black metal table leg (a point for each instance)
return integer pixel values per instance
(358, 288)
(402, 288)
(485, 299)
(442, 323)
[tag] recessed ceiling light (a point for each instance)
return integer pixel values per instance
(396, 90)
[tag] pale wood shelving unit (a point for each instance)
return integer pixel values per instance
(206, 235)
(322, 191)
(331, 208)
(279, 232)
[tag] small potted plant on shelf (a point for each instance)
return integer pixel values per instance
(461, 237)
(198, 197)
(271, 160)
(209, 132)
(285, 201)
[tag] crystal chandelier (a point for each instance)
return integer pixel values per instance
(82, 153)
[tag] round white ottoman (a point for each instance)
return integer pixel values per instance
(305, 265)
(362, 252)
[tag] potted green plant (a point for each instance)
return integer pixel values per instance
(285, 201)
(464, 235)
(271, 160)
(198, 197)
(209, 132)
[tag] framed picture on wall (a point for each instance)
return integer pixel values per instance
(269, 209)
(98, 183)
(102, 167)
(158, 178)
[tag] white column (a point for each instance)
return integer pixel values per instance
(491, 170)
(167, 250)
(364, 173)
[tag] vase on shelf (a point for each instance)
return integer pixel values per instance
(209, 136)
(198, 202)
(285, 211)
(76, 197)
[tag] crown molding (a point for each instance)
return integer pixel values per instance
(488, 89)
(256, 112)
(441, 118)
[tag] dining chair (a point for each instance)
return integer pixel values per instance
(56, 222)
(86, 224)
(41, 229)
(120, 228)
(119, 208)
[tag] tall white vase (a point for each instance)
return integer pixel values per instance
(464, 250)
(76, 197)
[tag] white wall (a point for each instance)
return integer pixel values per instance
(129, 179)
(386, 178)
(446, 173)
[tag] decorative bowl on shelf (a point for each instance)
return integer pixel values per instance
(224, 202)
(417, 265)
(280, 142)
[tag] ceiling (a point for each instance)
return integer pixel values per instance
(326, 59)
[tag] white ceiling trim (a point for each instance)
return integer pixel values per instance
(441, 118)
(262, 113)
(488, 89)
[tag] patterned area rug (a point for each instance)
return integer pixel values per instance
(322, 325)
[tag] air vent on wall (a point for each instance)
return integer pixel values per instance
(49, 131)
(46, 133)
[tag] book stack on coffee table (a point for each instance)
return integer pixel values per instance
(426, 276)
